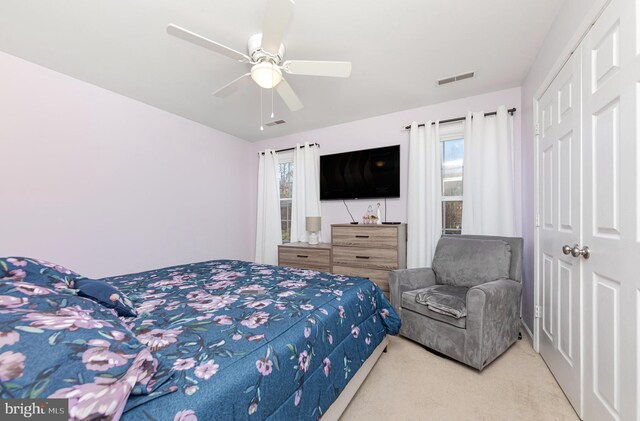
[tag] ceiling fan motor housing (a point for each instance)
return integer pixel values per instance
(257, 54)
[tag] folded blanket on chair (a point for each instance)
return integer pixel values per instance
(449, 300)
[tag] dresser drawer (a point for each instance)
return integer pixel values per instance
(374, 258)
(304, 257)
(363, 236)
(379, 277)
(309, 267)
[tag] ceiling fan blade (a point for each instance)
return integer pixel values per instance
(288, 96)
(232, 86)
(277, 20)
(318, 68)
(194, 38)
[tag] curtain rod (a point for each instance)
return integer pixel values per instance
(290, 149)
(451, 120)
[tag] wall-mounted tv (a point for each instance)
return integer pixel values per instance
(364, 174)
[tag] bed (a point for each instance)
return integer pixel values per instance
(222, 339)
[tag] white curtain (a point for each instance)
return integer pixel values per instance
(424, 208)
(488, 187)
(269, 234)
(306, 190)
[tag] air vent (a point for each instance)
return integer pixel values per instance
(275, 123)
(455, 78)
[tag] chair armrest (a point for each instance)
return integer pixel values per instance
(402, 280)
(493, 317)
(495, 299)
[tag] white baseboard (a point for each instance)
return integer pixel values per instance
(526, 329)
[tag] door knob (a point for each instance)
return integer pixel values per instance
(584, 251)
(576, 251)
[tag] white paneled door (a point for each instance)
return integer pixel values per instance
(559, 134)
(588, 264)
(611, 65)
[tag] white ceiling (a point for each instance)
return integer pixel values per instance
(398, 49)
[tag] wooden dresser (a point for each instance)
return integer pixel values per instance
(305, 256)
(369, 251)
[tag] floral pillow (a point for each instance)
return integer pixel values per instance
(52, 276)
(64, 346)
(40, 272)
(105, 294)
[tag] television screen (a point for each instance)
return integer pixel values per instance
(365, 174)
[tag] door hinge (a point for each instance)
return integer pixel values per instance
(537, 220)
(537, 128)
(538, 312)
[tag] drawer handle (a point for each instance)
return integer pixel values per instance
(362, 257)
(362, 236)
(303, 256)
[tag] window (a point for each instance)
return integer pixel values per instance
(285, 181)
(452, 160)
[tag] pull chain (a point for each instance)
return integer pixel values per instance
(261, 125)
(272, 88)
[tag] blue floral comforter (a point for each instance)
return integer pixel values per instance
(249, 341)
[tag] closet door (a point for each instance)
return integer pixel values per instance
(611, 214)
(559, 154)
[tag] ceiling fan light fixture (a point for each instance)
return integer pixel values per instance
(267, 75)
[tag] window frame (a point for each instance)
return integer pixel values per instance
(285, 157)
(448, 132)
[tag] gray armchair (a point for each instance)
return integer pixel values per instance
(467, 306)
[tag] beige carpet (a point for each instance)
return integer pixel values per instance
(411, 383)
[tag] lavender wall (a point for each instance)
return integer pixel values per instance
(563, 31)
(107, 185)
(386, 130)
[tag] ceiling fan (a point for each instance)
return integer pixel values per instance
(265, 56)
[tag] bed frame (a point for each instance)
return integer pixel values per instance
(340, 404)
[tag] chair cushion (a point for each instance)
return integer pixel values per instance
(449, 300)
(470, 262)
(409, 303)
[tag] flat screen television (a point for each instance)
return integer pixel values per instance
(364, 174)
